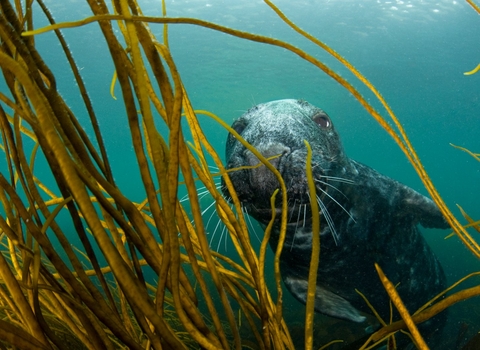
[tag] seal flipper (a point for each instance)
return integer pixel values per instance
(408, 202)
(423, 209)
(326, 302)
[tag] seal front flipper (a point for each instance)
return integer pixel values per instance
(326, 302)
(389, 193)
(423, 209)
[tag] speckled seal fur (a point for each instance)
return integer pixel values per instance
(366, 217)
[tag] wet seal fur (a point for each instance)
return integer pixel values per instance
(366, 217)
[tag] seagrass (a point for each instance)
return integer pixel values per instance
(50, 300)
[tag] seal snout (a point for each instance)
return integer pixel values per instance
(273, 152)
(261, 178)
(290, 163)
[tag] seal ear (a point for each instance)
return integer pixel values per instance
(423, 209)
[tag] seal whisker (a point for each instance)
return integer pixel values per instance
(201, 195)
(213, 235)
(215, 232)
(212, 167)
(207, 208)
(296, 227)
(339, 179)
(185, 198)
(291, 211)
(203, 213)
(250, 223)
(341, 206)
(330, 185)
(202, 191)
(222, 236)
(211, 215)
(329, 220)
(305, 214)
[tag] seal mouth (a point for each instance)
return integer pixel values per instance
(298, 214)
(295, 217)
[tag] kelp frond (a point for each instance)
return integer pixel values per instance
(107, 306)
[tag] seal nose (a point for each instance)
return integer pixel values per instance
(261, 177)
(273, 152)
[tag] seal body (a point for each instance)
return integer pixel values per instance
(365, 217)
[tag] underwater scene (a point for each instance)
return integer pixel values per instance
(190, 174)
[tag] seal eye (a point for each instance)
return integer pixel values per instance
(322, 120)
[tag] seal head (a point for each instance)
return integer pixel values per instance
(365, 217)
(279, 134)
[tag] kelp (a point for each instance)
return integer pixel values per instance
(477, 9)
(407, 318)
(121, 307)
(65, 298)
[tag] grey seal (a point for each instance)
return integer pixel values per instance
(366, 217)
